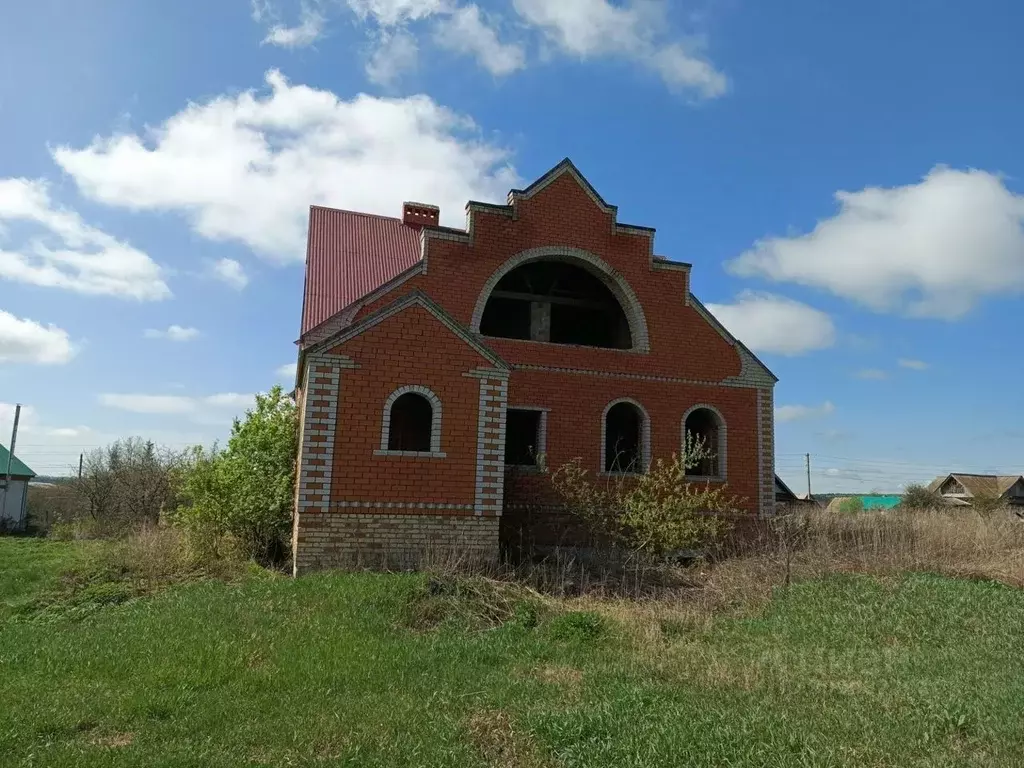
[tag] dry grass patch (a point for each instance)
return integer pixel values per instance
(501, 743)
(953, 542)
(568, 677)
(114, 740)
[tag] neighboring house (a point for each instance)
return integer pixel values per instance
(13, 496)
(958, 489)
(436, 364)
(785, 496)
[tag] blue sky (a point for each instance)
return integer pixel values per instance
(846, 180)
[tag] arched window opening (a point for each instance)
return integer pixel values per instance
(557, 302)
(703, 431)
(624, 439)
(410, 425)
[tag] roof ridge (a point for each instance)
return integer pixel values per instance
(358, 213)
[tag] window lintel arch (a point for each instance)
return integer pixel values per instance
(715, 467)
(433, 401)
(643, 447)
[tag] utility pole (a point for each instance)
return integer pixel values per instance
(808, 456)
(81, 458)
(10, 460)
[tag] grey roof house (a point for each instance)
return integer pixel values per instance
(959, 489)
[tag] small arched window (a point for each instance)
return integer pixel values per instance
(412, 422)
(625, 438)
(704, 430)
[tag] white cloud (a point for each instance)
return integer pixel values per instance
(786, 413)
(173, 333)
(843, 474)
(931, 249)
(211, 409)
(593, 28)
(261, 9)
(872, 374)
(26, 341)
(466, 32)
(309, 29)
(68, 431)
(287, 372)
(246, 167)
(775, 324)
(230, 272)
(149, 403)
(68, 253)
(389, 13)
(26, 421)
(396, 53)
(914, 365)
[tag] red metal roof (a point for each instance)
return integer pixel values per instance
(349, 255)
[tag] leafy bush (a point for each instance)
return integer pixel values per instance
(239, 500)
(656, 514)
(851, 506)
(916, 496)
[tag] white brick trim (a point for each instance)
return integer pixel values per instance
(435, 422)
(736, 382)
(613, 279)
(766, 451)
(414, 298)
(721, 450)
(400, 505)
(645, 436)
(413, 454)
(490, 445)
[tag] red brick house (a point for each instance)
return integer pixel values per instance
(437, 363)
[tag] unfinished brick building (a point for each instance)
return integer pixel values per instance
(437, 364)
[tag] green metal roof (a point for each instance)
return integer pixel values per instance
(18, 467)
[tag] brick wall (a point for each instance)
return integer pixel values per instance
(411, 348)
(380, 539)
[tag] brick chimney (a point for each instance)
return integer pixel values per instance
(420, 214)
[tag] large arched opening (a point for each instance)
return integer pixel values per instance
(561, 296)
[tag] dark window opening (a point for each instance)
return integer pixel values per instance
(556, 302)
(952, 487)
(522, 438)
(702, 433)
(623, 435)
(411, 421)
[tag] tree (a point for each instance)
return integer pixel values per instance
(916, 496)
(241, 497)
(127, 484)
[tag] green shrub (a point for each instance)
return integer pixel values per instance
(851, 506)
(655, 514)
(916, 496)
(238, 501)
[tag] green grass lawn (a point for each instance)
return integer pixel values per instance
(330, 670)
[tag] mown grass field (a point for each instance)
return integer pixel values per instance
(375, 670)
